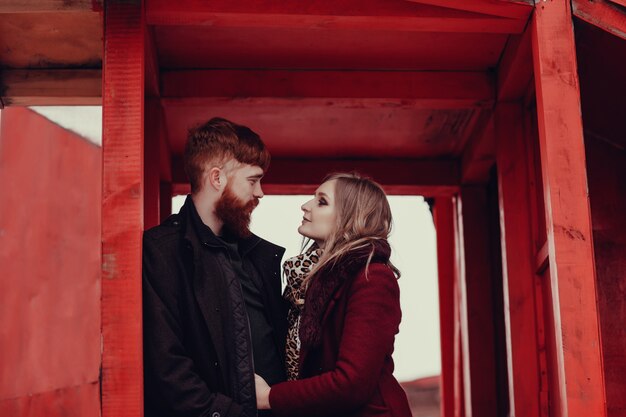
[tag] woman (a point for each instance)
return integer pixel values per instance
(351, 309)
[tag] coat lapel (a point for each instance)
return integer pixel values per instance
(207, 288)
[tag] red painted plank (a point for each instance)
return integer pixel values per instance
(517, 256)
(74, 401)
(152, 147)
(364, 15)
(446, 255)
(579, 370)
(403, 176)
(515, 70)
(50, 181)
(476, 305)
(460, 396)
(619, 2)
(432, 89)
(502, 8)
(478, 154)
(602, 14)
(122, 375)
(607, 174)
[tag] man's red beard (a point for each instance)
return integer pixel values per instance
(235, 213)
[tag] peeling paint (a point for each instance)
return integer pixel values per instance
(109, 265)
(571, 233)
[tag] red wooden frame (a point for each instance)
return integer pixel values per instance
(570, 241)
(602, 14)
(517, 260)
(122, 209)
(444, 225)
(476, 304)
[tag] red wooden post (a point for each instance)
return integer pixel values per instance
(578, 352)
(444, 224)
(122, 209)
(518, 261)
(152, 181)
(476, 305)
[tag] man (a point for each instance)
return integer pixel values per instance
(213, 313)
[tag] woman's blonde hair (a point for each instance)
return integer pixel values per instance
(362, 218)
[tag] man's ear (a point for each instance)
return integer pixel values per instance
(216, 178)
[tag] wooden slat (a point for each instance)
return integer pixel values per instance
(370, 15)
(515, 71)
(572, 272)
(296, 176)
(542, 259)
(501, 8)
(602, 14)
(43, 6)
(478, 157)
(122, 209)
(60, 87)
(446, 256)
(152, 65)
(619, 2)
(476, 305)
(447, 89)
(152, 147)
(517, 266)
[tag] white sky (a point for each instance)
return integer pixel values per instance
(417, 347)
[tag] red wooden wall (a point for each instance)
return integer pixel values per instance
(50, 269)
(603, 88)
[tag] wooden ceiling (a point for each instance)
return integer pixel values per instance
(355, 80)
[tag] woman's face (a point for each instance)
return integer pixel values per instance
(319, 214)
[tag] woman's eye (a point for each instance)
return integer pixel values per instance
(321, 202)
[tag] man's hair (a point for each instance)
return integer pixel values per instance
(218, 141)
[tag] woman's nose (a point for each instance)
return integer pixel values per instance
(305, 206)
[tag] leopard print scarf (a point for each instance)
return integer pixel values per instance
(295, 270)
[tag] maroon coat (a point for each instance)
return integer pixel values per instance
(348, 328)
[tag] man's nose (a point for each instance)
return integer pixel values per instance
(258, 191)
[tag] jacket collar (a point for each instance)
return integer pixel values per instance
(196, 232)
(328, 281)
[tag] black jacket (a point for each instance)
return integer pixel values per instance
(186, 370)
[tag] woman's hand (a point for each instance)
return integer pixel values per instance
(262, 393)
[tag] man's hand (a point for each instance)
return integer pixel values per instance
(262, 393)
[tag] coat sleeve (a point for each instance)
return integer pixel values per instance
(171, 380)
(370, 324)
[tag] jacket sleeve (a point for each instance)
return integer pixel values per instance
(171, 380)
(371, 322)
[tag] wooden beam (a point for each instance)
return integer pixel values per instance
(59, 87)
(578, 356)
(476, 305)
(478, 156)
(152, 146)
(436, 89)
(609, 16)
(501, 8)
(396, 16)
(619, 2)
(296, 176)
(444, 211)
(515, 70)
(44, 6)
(517, 256)
(122, 209)
(152, 65)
